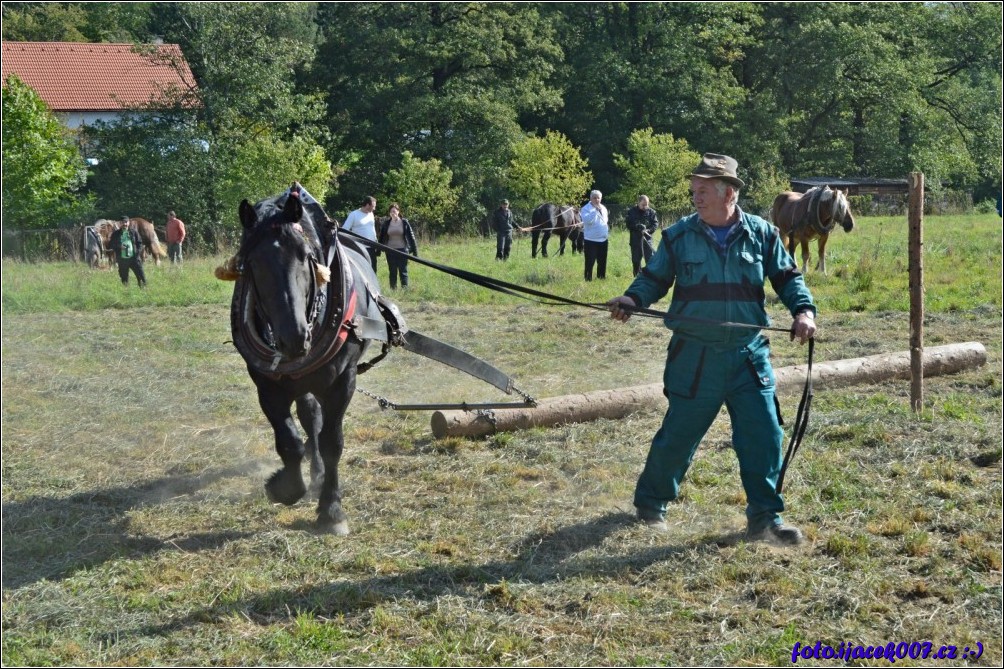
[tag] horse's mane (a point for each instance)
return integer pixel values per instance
(841, 207)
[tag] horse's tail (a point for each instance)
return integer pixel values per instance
(155, 246)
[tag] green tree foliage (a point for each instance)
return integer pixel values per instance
(423, 190)
(442, 80)
(547, 169)
(799, 89)
(863, 90)
(656, 166)
(668, 66)
(42, 168)
(244, 131)
(44, 22)
(77, 21)
(164, 165)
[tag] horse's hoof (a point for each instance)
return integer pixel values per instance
(283, 488)
(328, 526)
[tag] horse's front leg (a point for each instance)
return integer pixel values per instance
(805, 255)
(285, 485)
(821, 249)
(330, 515)
(308, 410)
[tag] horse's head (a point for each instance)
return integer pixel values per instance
(841, 211)
(834, 209)
(281, 255)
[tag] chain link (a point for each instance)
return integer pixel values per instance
(382, 401)
(488, 415)
(526, 398)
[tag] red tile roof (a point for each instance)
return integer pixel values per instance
(71, 76)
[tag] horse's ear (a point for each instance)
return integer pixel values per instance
(248, 216)
(292, 211)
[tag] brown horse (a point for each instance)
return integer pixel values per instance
(147, 234)
(802, 217)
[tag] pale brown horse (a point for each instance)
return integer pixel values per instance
(802, 217)
(147, 234)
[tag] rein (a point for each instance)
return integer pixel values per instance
(515, 290)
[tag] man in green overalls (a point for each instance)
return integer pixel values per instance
(718, 259)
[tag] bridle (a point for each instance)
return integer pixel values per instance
(329, 317)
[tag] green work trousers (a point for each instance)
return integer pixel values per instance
(698, 380)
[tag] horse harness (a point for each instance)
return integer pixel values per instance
(334, 311)
(808, 215)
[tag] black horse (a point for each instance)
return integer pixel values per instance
(550, 218)
(304, 310)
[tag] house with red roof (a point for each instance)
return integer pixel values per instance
(84, 82)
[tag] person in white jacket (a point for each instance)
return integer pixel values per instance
(362, 223)
(595, 231)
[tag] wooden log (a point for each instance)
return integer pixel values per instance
(938, 360)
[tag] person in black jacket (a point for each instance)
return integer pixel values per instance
(396, 232)
(642, 222)
(126, 244)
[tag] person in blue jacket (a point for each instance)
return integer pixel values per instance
(718, 260)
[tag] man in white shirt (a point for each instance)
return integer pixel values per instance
(362, 223)
(595, 230)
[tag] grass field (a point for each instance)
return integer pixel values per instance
(136, 531)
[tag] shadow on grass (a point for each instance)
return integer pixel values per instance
(53, 538)
(543, 558)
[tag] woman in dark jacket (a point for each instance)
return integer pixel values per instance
(396, 232)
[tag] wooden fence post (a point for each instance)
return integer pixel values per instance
(916, 240)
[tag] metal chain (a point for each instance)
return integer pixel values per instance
(488, 415)
(526, 398)
(382, 401)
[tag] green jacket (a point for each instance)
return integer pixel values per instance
(721, 286)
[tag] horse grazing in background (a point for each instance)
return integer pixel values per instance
(305, 307)
(802, 217)
(550, 218)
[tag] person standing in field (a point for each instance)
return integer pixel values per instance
(716, 261)
(362, 223)
(175, 237)
(595, 233)
(396, 232)
(642, 222)
(126, 244)
(503, 223)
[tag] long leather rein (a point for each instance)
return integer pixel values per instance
(516, 290)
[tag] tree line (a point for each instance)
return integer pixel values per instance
(449, 107)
